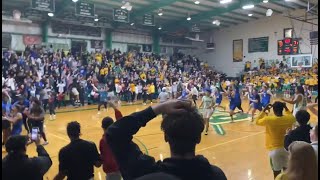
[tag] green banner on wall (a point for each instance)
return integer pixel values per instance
(84, 9)
(43, 5)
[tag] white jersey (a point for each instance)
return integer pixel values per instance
(302, 105)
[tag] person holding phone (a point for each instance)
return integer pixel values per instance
(276, 127)
(17, 165)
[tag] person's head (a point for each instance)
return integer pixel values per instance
(302, 162)
(163, 89)
(314, 134)
(182, 132)
(106, 122)
(15, 109)
(254, 91)
(73, 130)
(299, 90)
(303, 117)
(16, 144)
(208, 92)
(278, 108)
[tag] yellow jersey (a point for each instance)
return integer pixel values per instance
(275, 128)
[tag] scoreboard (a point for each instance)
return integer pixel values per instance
(288, 46)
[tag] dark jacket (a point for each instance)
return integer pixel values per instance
(301, 133)
(133, 163)
(16, 166)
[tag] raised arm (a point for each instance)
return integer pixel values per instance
(133, 163)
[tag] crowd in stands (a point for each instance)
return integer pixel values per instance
(43, 79)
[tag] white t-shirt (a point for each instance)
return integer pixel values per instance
(61, 87)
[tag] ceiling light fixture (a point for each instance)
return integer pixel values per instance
(126, 5)
(96, 19)
(225, 1)
(269, 12)
(250, 14)
(189, 17)
(50, 14)
(160, 12)
(132, 24)
(74, 1)
(160, 28)
(197, 2)
(248, 6)
(265, 1)
(216, 22)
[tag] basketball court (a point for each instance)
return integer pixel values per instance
(238, 148)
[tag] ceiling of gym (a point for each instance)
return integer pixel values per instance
(175, 12)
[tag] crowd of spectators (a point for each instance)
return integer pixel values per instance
(42, 79)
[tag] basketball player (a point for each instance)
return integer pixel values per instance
(256, 103)
(218, 95)
(208, 107)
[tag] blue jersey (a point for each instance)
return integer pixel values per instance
(103, 95)
(251, 97)
(218, 97)
(237, 96)
(7, 107)
(184, 94)
(17, 128)
(231, 99)
(265, 97)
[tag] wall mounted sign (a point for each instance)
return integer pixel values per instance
(121, 15)
(84, 9)
(43, 5)
(146, 48)
(148, 20)
(96, 44)
(258, 44)
(238, 50)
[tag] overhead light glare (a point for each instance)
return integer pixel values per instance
(197, 2)
(250, 14)
(50, 14)
(132, 24)
(96, 19)
(265, 1)
(160, 12)
(248, 6)
(160, 28)
(216, 22)
(74, 1)
(269, 12)
(225, 1)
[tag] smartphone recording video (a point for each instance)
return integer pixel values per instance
(34, 134)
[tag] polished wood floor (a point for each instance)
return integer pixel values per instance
(240, 152)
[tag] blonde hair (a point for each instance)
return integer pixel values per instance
(302, 162)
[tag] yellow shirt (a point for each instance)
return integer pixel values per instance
(282, 176)
(99, 57)
(152, 89)
(275, 128)
(143, 76)
(133, 87)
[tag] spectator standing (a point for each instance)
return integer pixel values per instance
(182, 128)
(302, 163)
(110, 166)
(314, 139)
(276, 127)
(17, 164)
(300, 133)
(76, 160)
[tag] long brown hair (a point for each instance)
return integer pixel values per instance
(302, 162)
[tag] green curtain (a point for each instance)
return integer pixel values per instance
(108, 39)
(44, 29)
